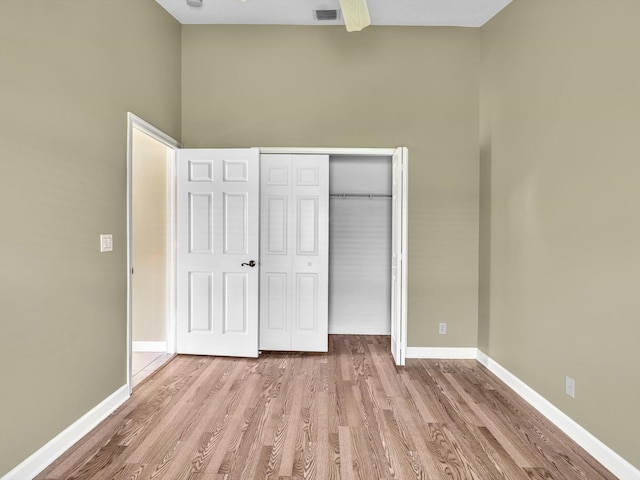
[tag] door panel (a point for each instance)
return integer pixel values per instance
(276, 224)
(218, 208)
(307, 300)
(307, 222)
(235, 223)
(295, 251)
(307, 175)
(235, 302)
(201, 171)
(200, 300)
(236, 170)
(274, 291)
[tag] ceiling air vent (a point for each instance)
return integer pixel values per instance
(326, 15)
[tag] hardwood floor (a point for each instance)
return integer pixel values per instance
(144, 364)
(349, 414)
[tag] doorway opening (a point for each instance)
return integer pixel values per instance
(150, 247)
(360, 203)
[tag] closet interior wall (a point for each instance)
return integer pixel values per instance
(360, 245)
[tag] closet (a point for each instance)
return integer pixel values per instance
(360, 245)
(325, 249)
(278, 249)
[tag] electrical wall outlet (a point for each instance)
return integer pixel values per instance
(570, 387)
(442, 329)
(106, 243)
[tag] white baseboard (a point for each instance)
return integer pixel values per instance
(43, 457)
(442, 352)
(148, 346)
(598, 450)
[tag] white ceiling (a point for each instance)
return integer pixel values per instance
(458, 13)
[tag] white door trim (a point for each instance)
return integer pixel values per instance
(373, 152)
(405, 247)
(135, 122)
(403, 224)
(401, 234)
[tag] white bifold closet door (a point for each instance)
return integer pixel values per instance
(217, 272)
(294, 252)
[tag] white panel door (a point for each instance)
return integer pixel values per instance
(218, 220)
(294, 252)
(398, 256)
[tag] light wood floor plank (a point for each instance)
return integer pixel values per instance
(347, 414)
(484, 421)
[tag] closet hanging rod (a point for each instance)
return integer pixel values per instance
(360, 195)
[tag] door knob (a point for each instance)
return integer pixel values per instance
(252, 263)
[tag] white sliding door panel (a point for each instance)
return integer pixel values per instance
(218, 209)
(295, 252)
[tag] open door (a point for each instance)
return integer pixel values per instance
(398, 256)
(217, 262)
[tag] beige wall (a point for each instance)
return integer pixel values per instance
(70, 72)
(383, 87)
(560, 123)
(149, 222)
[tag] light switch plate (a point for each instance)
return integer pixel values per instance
(106, 243)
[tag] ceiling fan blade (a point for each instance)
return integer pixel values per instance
(355, 14)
